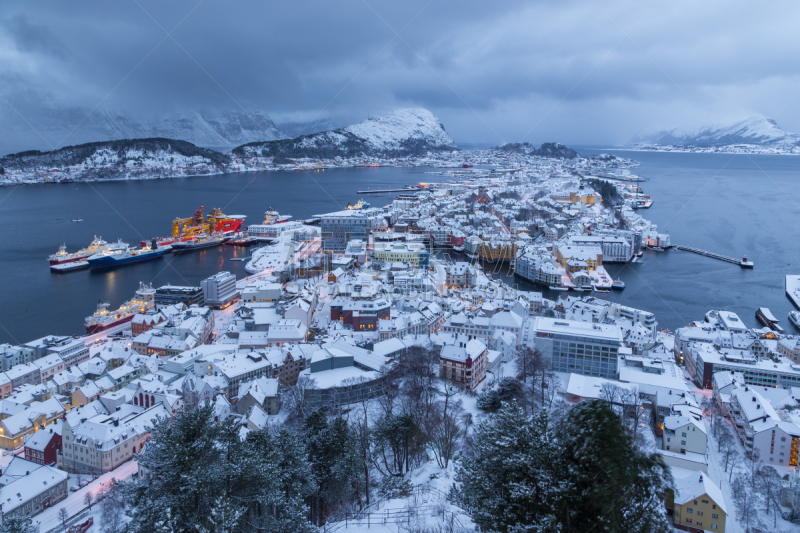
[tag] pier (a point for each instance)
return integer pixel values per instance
(376, 191)
(744, 263)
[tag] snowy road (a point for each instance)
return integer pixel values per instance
(48, 519)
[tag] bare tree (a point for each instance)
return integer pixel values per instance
(447, 427)
(112, 509)
(727, 447)
(611, 393)
(297, 398)
(770, 487)
(63, 516)
(88, 500)
(552, 386)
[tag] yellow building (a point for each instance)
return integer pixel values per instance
(576, 196)
(589, 257)
(695, 502)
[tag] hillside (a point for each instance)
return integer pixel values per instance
(756, 131)
(123, 159)
(402, 133)
(554, 150)
(49, 122)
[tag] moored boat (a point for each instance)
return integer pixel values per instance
(199, 243)
(115, 258)
(103, 319)
(794, 318)
(98, 245)
(618, 284)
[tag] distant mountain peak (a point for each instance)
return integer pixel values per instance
(404, 132)
(754, 130)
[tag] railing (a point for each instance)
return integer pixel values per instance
(416, 507)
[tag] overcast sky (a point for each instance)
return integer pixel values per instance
(575, 72)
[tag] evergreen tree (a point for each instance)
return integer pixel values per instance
(510, 483)
(18, 524)
(610, 485)
(281, 481)
(180, 461)
(333, 455)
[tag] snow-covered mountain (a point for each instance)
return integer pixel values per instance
(554, 150)
(122, 159)
(756, 130)
(401, 133)
(38, 123)
(295, 129)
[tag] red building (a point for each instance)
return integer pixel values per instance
(361, 315)
(43, 446)
(142, 323)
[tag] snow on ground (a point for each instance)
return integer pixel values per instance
(48, 519)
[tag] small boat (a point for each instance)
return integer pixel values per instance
(579, 289)
(657, 248)
(552, 288)
(77, 220)
(794, 318)
(618, 284)
(602, 291)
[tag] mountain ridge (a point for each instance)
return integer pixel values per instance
(404, 132)
(756, 130)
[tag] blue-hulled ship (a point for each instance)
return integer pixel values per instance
(115, 258)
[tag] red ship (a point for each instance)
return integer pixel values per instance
(188, 229)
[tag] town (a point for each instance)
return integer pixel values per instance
(340, 311)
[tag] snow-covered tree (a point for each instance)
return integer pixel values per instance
(511, 482)
(609, 485)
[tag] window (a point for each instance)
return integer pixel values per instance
(688, 520)
(713, 526)
(714, 516)
(699, 513)
(689, 510)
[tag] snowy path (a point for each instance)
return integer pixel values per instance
(48, 519)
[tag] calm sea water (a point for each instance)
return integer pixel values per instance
(37, 219)
(733, 205)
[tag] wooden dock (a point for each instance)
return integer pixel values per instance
(741, 262)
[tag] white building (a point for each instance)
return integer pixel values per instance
(220, 290)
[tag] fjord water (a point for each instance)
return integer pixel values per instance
(36, 219)
(733, 205)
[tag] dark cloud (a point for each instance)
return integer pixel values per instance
(577, 72)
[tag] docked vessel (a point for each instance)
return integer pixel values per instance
(618, 284)
(794, 318)
(98, 245)
(187, 229)
(554, 288)
(115, 258)
(361, 204)
(242, 240)
(273, 217)
(103, 319)
(766, 317)
(199, 243)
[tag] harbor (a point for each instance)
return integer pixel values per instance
(35, 311)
